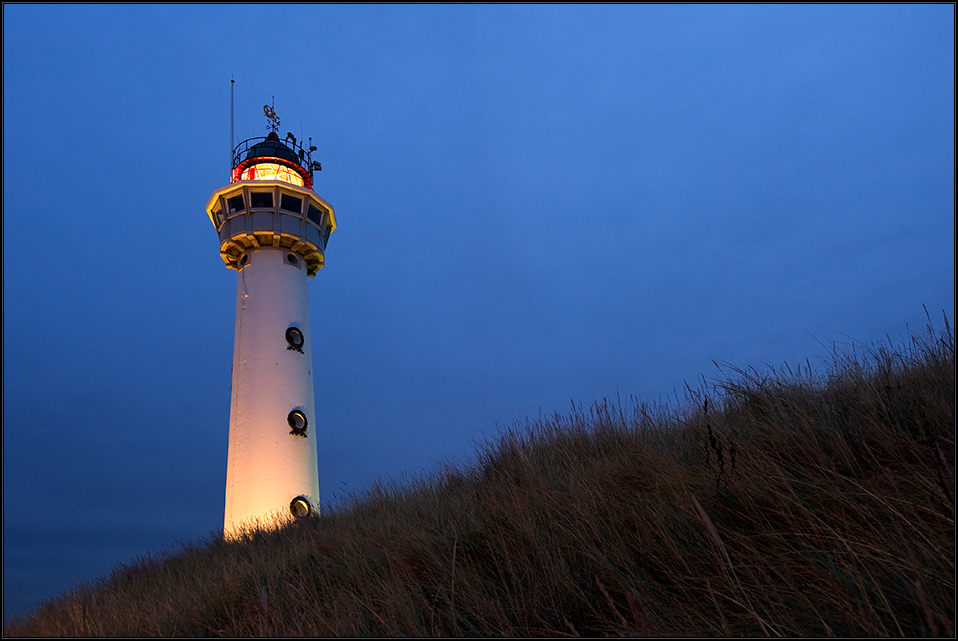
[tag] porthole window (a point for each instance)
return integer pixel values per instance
(295, 339)
(243, 260)
(300, 507)
(292, 260)
(297, 421)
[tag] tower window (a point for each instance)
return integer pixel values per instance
(259, 199)
(292, 260)
(236, 204)
(315, 214)
(300, 507)
(291, 203)
(297, 421)
(243, 260)
(295, 339)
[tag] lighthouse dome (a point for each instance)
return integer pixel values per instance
(272, 147)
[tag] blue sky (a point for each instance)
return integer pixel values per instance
(536, 205)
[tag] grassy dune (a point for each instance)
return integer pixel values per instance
(782, 503)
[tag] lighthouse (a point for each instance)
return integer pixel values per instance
(272, 231)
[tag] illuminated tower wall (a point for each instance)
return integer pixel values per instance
(273, 230)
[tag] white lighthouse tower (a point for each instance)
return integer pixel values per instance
(273, 230)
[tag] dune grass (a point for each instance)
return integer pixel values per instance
(778, 503)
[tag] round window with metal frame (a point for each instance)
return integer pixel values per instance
(300, 507)
(295, 339)
(297, 421)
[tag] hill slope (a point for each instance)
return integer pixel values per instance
(779, 503)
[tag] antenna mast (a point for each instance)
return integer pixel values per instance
(232, 82)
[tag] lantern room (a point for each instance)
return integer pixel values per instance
(270, 158)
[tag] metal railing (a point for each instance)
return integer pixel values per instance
(304, 154)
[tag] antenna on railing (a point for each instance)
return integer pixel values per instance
(232, 82)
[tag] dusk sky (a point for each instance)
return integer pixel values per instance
(536, 205)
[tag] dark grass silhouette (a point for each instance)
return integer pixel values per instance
(778, 503)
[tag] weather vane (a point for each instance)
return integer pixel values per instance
(271, 115)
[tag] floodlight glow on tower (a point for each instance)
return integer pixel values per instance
(273, 230)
